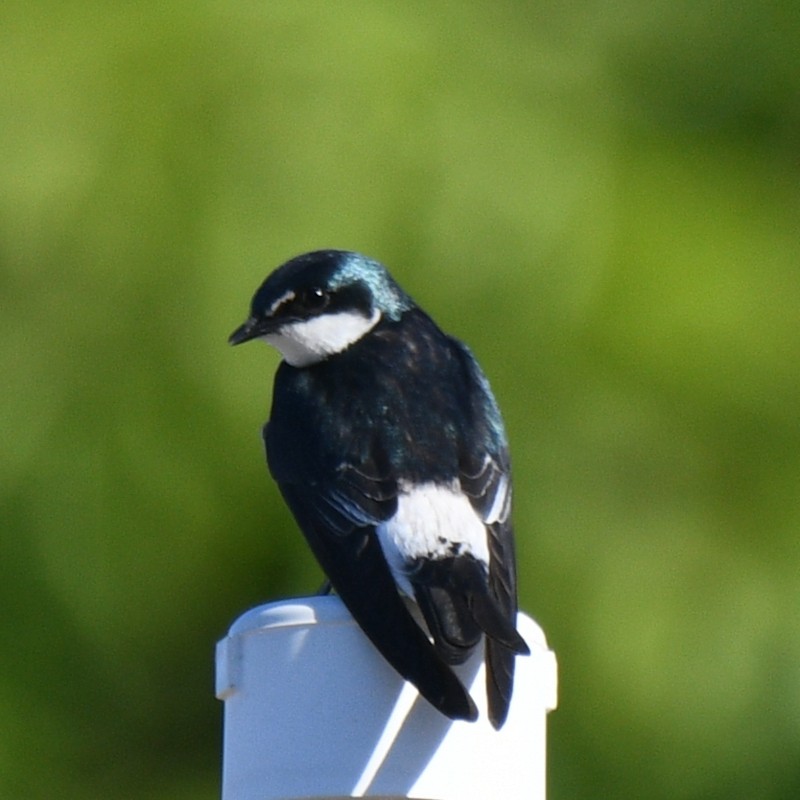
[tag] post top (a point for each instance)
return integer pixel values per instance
(329, 610)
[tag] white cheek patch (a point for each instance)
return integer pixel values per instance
(432, 521)
(309, 341)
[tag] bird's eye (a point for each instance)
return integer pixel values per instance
(314, 300)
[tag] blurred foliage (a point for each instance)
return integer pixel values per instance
(602, 198)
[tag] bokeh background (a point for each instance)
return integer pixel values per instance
(603, 199)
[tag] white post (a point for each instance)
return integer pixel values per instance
(313, 710)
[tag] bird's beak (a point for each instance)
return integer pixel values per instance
(250, 329)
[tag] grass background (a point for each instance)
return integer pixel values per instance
(601, 198)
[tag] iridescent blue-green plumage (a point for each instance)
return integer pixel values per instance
(358, 439)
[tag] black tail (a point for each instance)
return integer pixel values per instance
(458, 608)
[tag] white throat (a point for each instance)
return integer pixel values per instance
(304, 343)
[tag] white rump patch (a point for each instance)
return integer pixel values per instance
(432, 521)
(309, 341)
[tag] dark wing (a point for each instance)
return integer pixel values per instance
(496, 610)
(485, 476)
(338, 520)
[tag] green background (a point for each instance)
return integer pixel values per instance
(602, 199)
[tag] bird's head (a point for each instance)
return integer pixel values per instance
(320, 303)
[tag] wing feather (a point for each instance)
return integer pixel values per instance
(354, 562)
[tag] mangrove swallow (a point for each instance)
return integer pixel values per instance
(389, 449)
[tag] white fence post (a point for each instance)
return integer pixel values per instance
(313, 711)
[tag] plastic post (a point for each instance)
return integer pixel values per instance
(312, 710)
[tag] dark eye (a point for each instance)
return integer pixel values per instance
(314, 300)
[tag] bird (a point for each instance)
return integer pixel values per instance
(388, 447)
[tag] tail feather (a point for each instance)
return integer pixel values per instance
(458, 607)
(499, 681)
